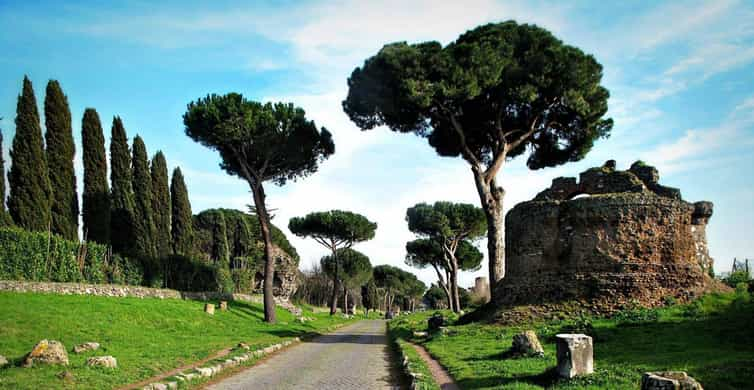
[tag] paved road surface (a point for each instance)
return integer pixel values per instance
(354, 357)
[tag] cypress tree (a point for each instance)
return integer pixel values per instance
(161, 205)
(60, 152)
(4, 216)
(183, 229)
(144, 228)
(29, 201)
(122, 196)
(96, 197)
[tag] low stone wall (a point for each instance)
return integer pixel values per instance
(115, 290)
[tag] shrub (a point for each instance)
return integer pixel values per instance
(637, 315)
(187, 274)
(41, 256)
(737, 277)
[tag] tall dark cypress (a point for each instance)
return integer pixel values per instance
(144, 228)
(183, 227)
(4, 216)
(60, 152)
(161, 205)
(96, 196)
(122, 195)
(29, 200)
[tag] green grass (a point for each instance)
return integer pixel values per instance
(712, 339)
(147, 336)
(416, 364)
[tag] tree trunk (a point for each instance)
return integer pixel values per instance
(345, 299)
(491, 197)
(335, 284)
(441, 282)
(269, 263)
(454, 287)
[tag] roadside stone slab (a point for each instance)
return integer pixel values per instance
(3, 361)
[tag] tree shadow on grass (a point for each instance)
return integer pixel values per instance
(545, 379)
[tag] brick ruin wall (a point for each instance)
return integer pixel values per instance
(630, 241)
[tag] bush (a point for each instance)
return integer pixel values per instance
(637, 315)
(124, 270)
(737, 277)
(40, 256)
(187, 274)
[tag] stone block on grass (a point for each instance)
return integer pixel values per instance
(575, 355)
(209, 308)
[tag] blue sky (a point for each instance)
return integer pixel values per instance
(681, 76)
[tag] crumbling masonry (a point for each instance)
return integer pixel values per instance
(630, 241)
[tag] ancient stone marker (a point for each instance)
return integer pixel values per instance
(575, 355)
(209, 308)
(3, 361)
(435, 322)
(223, 305)
(90, 346)
(102, 361)
(47, 352)
(527, 344)
(669, 380)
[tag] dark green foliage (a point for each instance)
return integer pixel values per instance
(259, 143)
(737, 277)
(187, 274)
(143, 223)
(355, 268)
(161, 205)
(242, 237)
(370, 296)
(447, 229)
(29, 200)
(435, 297)
(60, 153)
(399, 285)
(496, 83)
(182, 230)
(212, 235)
(333, 228)
(248, 136)
(96, 196)
(5, 219)
(122, 195)
(39, 256)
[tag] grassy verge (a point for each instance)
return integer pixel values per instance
(711, 339)
(147, 336)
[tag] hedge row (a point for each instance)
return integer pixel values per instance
(40, 256)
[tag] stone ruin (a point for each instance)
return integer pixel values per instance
(611, 240)
(285, 278)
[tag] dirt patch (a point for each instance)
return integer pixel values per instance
(441, 377)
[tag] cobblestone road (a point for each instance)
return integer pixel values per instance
(354, 357)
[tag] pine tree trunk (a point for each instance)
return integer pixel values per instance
(345, 299)
(454, 288)
(491, 197)
(269, 261)
(336, 285)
